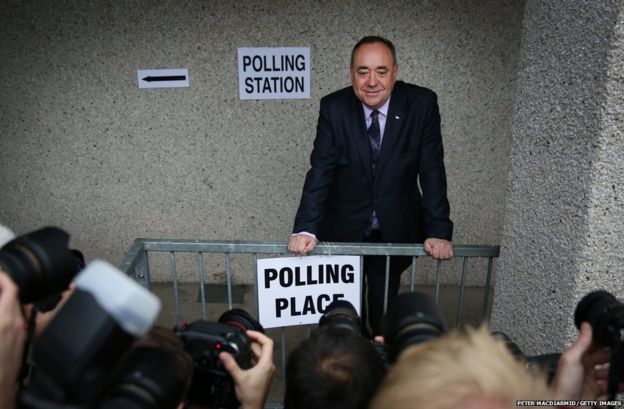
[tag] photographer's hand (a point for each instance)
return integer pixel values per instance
(580, 372)
(12, 337)
(43, 319)
(252, 385)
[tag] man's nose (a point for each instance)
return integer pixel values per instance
(371, 81)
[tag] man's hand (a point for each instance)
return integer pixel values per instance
(252, 385)
(439, 249)
(12, 337)
(581, 373)
(301, 244)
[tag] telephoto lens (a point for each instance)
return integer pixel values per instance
(146, 379)
(40, 263)
(604, 313)
(412, 318)
(342, 314)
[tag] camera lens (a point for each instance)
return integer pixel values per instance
(341, 314)
(40, 263)
(604, 313)
(412, 318)
(239, 318)
(145, 379)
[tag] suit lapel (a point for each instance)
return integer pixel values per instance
(358, 135)
(394, 122)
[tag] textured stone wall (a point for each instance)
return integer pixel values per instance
(565, 213)
(83, 148)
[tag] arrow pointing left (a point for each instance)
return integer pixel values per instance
(163, 78)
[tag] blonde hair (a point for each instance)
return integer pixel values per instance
(459, 367)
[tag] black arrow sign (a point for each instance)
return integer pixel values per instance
(166, 78)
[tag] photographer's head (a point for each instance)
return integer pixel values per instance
(334, 368)
(456, 371)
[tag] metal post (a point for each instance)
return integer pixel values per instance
(228, 270)
(202, 282)
(487, 289)
(174, 274)
(437, 283)
(460, 304)
(142, 270)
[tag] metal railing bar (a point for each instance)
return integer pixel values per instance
(175, 287)
(141, 271)
(255, 270)
(386, 284)
(362, 287)
(413, 279)
(280, 247)
(437, 282)
(486, 296)
(228, 272)
(202, 282)
(462, 285)
(134, 255)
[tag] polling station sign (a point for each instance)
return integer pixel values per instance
(274, 73)
(297, 290)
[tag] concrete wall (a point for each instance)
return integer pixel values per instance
(563, 234)
(83, 148)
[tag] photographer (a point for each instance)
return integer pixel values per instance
(334, 368)
(252, 385)
(581, 372)
(232, 361)
(12, 337)
(459, 370)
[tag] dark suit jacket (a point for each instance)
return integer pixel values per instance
(340, 190)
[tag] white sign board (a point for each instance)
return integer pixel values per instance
(274, 73)
(297, 290)
(166, 78)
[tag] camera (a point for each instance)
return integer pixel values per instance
(605, 314)
(212, 385)
(40, 263)
(84, 341)
(341, 314)
(412, 318)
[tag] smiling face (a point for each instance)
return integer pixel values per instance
(373, 74)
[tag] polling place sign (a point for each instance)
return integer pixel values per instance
(297, 290)
(274, 73)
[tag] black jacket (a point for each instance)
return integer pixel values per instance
(340, 191)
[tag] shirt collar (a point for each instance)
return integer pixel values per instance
(382, 110)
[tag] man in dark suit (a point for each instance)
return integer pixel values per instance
(376, 141)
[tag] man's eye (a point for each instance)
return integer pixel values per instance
(382, 73)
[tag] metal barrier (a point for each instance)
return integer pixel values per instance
(137, 265)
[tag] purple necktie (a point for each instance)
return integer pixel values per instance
(374, 137)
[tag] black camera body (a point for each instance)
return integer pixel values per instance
(205, 340)
(212, 385)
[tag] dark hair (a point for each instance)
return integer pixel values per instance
(333, 369)
(373, 40)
